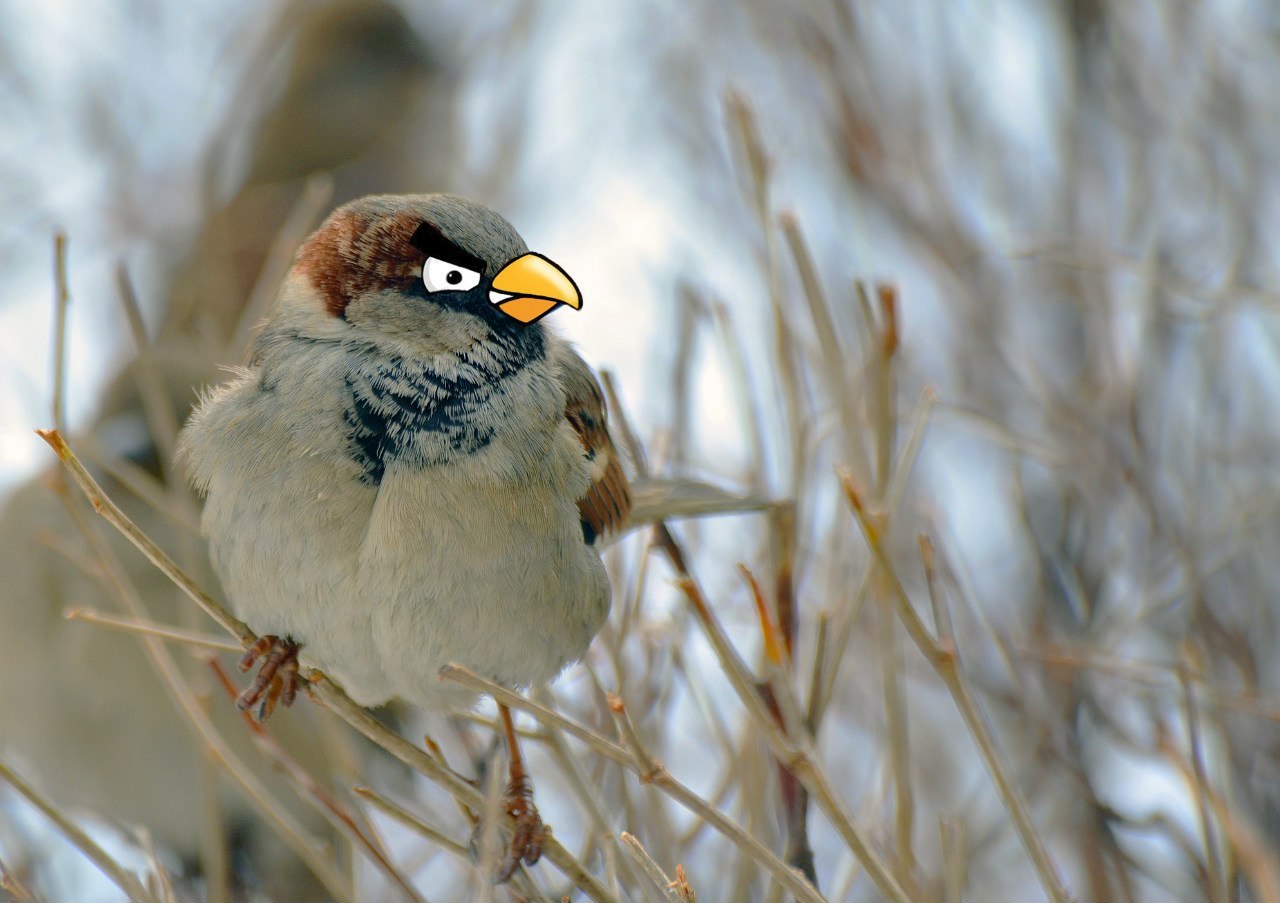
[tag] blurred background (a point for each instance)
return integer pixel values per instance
(979, 295)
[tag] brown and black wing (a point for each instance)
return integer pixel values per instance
(607, 504)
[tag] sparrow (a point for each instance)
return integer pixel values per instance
(413, 469)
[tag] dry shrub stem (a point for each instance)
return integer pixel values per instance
(191, 638)
(1257, 855)
(189, 707)
(309, 789)
(521, 882)
(796, 752)
(411, 821)
(156, 404)
(125, 880)
(158, 881)
(677, 891)
(61, 301)
(1215, 870)
(10, 884)
(312, 202)
(656, 775)
(333, 697)
(114, 516)
(945, 660)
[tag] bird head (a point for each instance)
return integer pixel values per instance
(430, 265)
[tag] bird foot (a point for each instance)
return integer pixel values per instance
(277, 679)
(526, 842)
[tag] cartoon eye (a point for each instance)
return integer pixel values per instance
(441, 276)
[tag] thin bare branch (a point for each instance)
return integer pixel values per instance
(204, 641)
(657, 776)
(120, 877)
(61, 300)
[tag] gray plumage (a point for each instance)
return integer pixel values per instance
(393, 481)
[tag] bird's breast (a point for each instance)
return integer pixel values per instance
(422, 414)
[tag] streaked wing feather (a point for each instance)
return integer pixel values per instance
(607, 504)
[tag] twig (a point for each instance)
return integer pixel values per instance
(622, 426)
(520, 881)
(779, 647)
(884, 384)
(646, 766)
(798, 758)
(301, 219)
(212, 742)
(883, 423)
(75, 556)
(820, 643)
(774, 638)
(1256, 851)
(946, 663)
(337, 701)
(141, 483)
(61, 300)
(10, 884)
(215, 854)
(895, 706)
(674, 891)
(412, 822)
(117, 518)
(759, 169)
(951, 843)
(156, 404)
(125, 880)
(1215, 873)
(748, 399)
(657, 775)
(1147, 674)
(846, 619)
(150, 628)
(309, 789)
(158, 880)
(559, 749)
(834, 369)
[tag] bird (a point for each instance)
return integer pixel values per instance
(413, 470)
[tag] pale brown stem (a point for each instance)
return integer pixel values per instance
(657, 776)
(945, 661)
(795, 752)
(213, 744)
(310, 790)
(151, 628)
(125, 880)
(61, 300)
(108, 509)
(670, 890)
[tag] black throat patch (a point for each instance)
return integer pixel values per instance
(431, 411)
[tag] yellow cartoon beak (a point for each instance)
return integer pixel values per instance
(530, 287)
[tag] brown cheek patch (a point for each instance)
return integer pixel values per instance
(353, 253)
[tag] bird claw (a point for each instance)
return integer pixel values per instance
(530, 834)
(277, 679)
(526, 843)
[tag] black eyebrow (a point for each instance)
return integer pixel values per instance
(431, 241)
